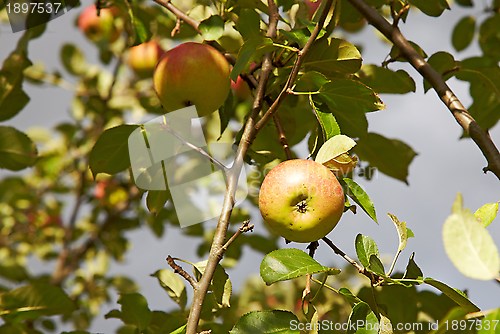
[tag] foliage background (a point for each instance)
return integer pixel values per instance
(443, 167)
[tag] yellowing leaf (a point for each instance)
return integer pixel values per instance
(333, 148)
(487, 213)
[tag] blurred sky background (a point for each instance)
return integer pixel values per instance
(444, 166)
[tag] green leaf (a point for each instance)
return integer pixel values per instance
(391, 156)
(396, 54)
(365, 248)
(141, 33)
(463, 33)
(343, 95)
(376, 266)
(491, 323)
(351, 298)
(359, 196)
(311, 81)
(35, 299)
(456, 295)
(173, 285)
(402, 231)
(289, 263)
(251, 48)
(470, 247)
(487, 213)
(489, 41)
(212, 28)
(134, 311)
(266, 322)
(362, 320)
(452, 316)
(17, 151)
(443, 63)
(383, 80)
(248, 24)
(327, 122)
(73, 59)
(110, 152)
(180, 330)
(413, 271)
(156, 200)
(431, 7)
(349, 100)
(12, 96)
(332, 55)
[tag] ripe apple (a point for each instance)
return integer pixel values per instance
(99, 28)
(192, 74)
(301, 200)
(143, 58)
(240, 89)
(312, 7)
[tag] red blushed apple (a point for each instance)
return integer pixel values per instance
(301, 200)
(99, 28)
(240, 89)
(192, 74)
(143, 58)
(312, 7)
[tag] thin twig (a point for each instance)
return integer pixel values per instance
(249, 133)
(178, 270)
(312, 250)
(462, 116)
(179, 13)
(194, 147)
(338, 251)
(245, 227)
(282, 136)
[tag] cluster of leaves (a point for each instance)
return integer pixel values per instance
(80, 169)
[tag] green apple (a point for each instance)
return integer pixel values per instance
(192, 74)
(301, 200)
(143, 58)
(99, 28)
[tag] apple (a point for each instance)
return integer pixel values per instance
(99, 28)
(312, 7)
(143, 58)
(301, 200)
(241, 89)
(192, 74)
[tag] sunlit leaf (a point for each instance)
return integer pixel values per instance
(289, 263)
(470, 247)
(365, 248)
(333, 55)
(487, 213)
(359, 195)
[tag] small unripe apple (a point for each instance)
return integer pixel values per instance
(98, 28)
(192, 74)
(240, 89)
(301, 200)
(143, 58)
